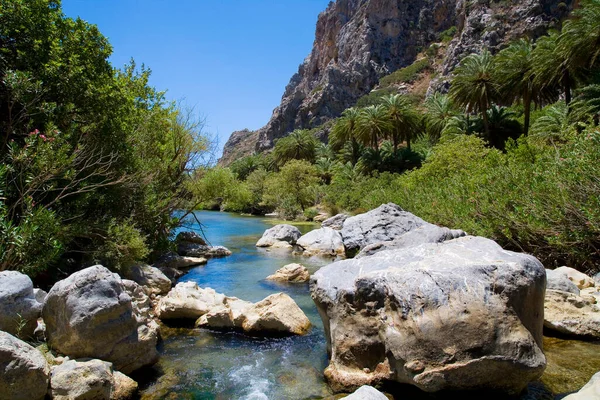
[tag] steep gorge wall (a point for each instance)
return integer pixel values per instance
(359, 41)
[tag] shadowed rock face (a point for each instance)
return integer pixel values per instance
(462, 314)
(359, 41)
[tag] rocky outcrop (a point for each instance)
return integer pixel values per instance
(24, 372)
(280, 235)
(462, 314)
(82, 379)
(591, 391)
(19, 308)
(240, 143)
(359, 41)
(492, 25)
(325, 242)
(90, 314)
(366, 393)
(336, 222)
(151, 278)
(295, 273)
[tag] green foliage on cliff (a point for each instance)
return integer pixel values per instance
(93, 160)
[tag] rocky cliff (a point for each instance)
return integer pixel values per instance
(359, 41)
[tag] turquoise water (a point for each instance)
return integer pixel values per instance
(201, 364)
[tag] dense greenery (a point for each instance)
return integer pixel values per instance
(510, 153)
(93, 160)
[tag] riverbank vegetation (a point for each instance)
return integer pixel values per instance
(510, 152)
(93, 160)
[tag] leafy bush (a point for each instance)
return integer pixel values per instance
(405, 75)
(448, 34)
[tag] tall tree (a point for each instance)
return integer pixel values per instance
(551, 70)
(473, 85)
(373, 124)
(440, 110)
(404, 119)
(345, 130)
(579, 40)
(514, 72)
(301, 144)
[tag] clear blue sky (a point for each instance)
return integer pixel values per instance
(229, 59)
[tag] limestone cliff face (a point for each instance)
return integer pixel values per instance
(359, 41)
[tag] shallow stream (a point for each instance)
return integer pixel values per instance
(201, 364)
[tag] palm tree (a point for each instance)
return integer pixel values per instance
(579, 40)
(473, 85)
(404, 119)
(440, 110)
(345, 130)
(373, 123)
(514, 71)
(551, 68)
(298, 145)
(552, 124)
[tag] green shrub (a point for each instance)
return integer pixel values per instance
(405, 75)
(448, 34)
(310, 213)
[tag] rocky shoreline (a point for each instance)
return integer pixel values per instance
(418, 304)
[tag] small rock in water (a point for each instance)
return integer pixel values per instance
(187, 300)
(278, 314)
(296, 273)
(191, 237)
(174, 260)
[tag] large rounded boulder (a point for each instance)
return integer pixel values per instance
(279, 235)
(19, 308)
(90, 314)
(24, 372)
(458, 315)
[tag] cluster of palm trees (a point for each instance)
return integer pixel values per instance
(563, 64)
(533, 74)
(395, 118)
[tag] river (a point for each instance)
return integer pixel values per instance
(202, 364)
